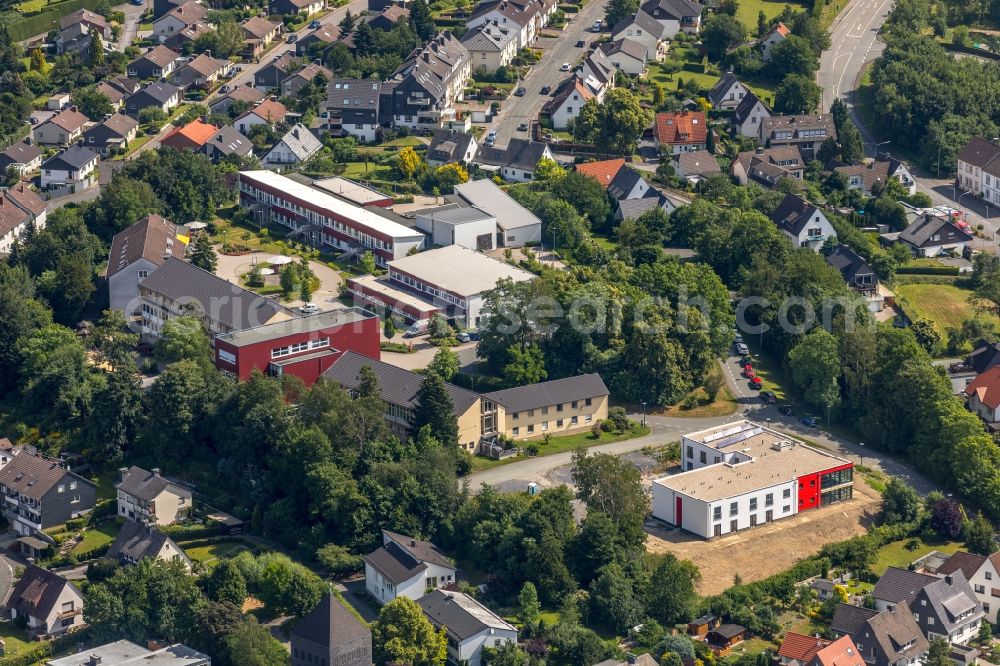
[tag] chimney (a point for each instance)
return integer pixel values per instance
(121, 472)
(94, 660)
(295, 131)
(948, 579)
(208, 53)
(73, 108)
(818, 641)
(413, 543)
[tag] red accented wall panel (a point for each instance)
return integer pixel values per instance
(810, 487)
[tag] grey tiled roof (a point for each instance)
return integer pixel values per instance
(397, 386)
(73, 158)
(555, 392)
(462, 615)
(951, 598)
(900, 585)
(847, 619)
(135, 541)
(227, 303)
(330, 624)
(148, 486)
(424, 551)
(624, 182)
(897, 634)
(718, 92)
(979, 152)
(394, 563)
(745, 106)
(647, 23)
(919, 233)
(793, 213)
(37, 591)
(33, 476)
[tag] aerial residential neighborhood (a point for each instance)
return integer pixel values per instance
(499, 333)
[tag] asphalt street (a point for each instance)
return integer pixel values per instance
(547, 72)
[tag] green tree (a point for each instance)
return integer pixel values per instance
(616, 124)
(389, 327)
(797, 94)
(92, 103)
(815, 365)
(423, 25)
(979, 536)
(203, 254)
(449, 175)
(251, 644)
(403, 635)
(607, 484)
(616, 10)
(671, 591)
(506, 654)
(548, 171)
(926, 335)
(435, 410)
(96, 50)
(183, 338)
(305, 290)
(225, 584)
(55, 378)
(613, 602)
(339, 561)
(586, 195)
(526, 365)
(939, 653)
(38, 61)
(528, 607)
(886, 210)
(289, 279)
(367, 263)
(900, 503)
(445, 364)
(795, 55)
(563, 225)
(852, 149)
(720, 33)
(762, 24)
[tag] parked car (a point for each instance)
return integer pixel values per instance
(598, 24)
(580, 43)
(808, 421)
(744, 361)
(755, 383)
(748, 371)
(738, 339)
(417, 328)
(292, 38)
(565, 67)
(742, 349)
(769, 398)
(523, 127)
(314, 24)
(545, 90)
(786, 410)
(520, 91)
(468, 336)
(308, 308)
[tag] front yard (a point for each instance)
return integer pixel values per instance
(97, 537)
(559, 445)
(900, 554)
(207, 554)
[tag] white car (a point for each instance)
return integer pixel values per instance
(308, 308)
(565, 67)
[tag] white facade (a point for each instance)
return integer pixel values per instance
(624, 62)
(773, 38)
(985, 582)
(167, 26)
(80, 178)
(733, 96)
(751, 124)
(719, 517)
(384, 590)
(637, 34)
(471, 649)
(521, 236)
(990, 415)
(569, 109)
(7, 240)
(475, 234)
(814, 233)
(525, 33)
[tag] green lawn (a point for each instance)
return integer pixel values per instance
(215, 551)
(748, 10)
(106, 485)
(15, 640)
(137, 143)
(945, 305)
(405, 141)
(370, 170)
(897, 555)
(95, 537)
(763, 89)
(559, 445)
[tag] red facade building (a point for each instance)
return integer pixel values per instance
(304, 346)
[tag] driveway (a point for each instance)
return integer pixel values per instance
(133, 14)
(327, 297)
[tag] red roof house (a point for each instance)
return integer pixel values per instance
(983, 393)
(799, 649)
(192, 136)
(603, 171)
(681, 131)
(841, 652)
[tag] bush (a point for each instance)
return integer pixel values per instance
(192, 532)
(532, 449)
(696, 67)
(29, 657)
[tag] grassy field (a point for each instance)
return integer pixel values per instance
(559, 445)
(370, 170)
(896, 554)
(215, 551)
(723, 405)
(763, 89)
(748, 10)
(15, 640)
(947, 306)
(96, 537)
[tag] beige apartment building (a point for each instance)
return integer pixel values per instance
(558, 407)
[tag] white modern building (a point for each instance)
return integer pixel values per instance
(470, 625)
(459, 225)
(516, 225)
(450, 280)
(406, 567)
(331, 220)
(742, 474)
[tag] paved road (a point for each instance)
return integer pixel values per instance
(853, 42)
(133, 14)
(548, 470)
(546, 72)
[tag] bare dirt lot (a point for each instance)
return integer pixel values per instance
(766, 550)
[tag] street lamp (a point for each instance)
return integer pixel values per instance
(862, 445)
(644, 415)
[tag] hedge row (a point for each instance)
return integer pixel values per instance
(32, 655)
(192, 532)
(26, 27)
(696, 67)
(927, 270)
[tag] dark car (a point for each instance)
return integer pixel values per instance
(520, 91)
(756, 384)
(745, 361)
(523, 127)
(808, 421)
(769, 398)
(581, 43)
(545, 90)
(786, 410)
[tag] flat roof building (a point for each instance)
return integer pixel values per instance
(303, 346)
(330, 220)
(742, 474)
(452, 279)
(516, 225)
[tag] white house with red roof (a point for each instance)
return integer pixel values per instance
(775, 36)
(841, 652)
(680, 131)
(983, 394)
(568, 100)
